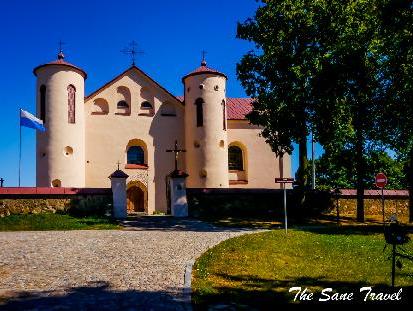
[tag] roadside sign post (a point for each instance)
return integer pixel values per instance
(285, 181)
(381, 182)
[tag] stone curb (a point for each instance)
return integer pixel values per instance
(187, 289)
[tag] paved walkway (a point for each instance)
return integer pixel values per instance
(139, 268)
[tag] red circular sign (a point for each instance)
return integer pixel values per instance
(381, 180)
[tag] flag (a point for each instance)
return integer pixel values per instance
(29, 120)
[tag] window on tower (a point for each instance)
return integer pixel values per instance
(224, 116)
(136, 155)
(71, 102)
(199, 112)
(43, 103)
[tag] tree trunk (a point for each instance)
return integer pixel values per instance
(302, 172)
(361, 172)
(410, 184)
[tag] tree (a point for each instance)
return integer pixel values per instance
(348, 85)
(337, 170)
(397, 108)
(278, 72)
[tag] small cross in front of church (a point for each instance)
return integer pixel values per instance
(118, 163)
(1, 182)
(177, 152)
(132, 50)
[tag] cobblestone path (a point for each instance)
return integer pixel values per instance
(139, 268)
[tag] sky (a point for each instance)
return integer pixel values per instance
(171, 34)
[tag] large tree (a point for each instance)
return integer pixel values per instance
(348, 85)
(397, 108)
(278, 72)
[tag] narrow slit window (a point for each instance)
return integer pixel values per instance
(71, 101)
(43, 103)
(199, 112)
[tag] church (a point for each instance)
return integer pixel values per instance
(131, 122)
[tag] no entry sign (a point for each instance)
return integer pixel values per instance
(381, 180)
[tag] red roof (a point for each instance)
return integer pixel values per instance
(60, 61)
(237, 108)
(203, 69)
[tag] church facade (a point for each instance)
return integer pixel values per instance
(132, 121)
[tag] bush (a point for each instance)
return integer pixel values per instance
(91, 206)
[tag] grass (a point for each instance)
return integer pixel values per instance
(34, 222)
(257, 270)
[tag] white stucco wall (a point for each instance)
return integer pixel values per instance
(260, 163)
(107, 137)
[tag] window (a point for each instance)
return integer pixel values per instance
(235, 159)
(136, 155)
(224, 116)
(71, 97)
(122, 104)
(146, 105)
(199, 112)
(43, 103)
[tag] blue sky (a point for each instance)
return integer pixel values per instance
(171, 34)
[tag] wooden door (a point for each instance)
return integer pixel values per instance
(135, 200)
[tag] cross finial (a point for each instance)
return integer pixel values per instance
(1, 182)
(132, 50)
(60, 55)
(118, 165)
(176, 151)
(203, 62)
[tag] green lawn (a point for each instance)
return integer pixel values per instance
(257, 270)
(54, 222)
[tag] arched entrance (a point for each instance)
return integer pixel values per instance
(136, 195)
(135, 200)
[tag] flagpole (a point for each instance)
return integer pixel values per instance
(20, 144)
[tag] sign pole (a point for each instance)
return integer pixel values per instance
(20, 145)
(285, 208)
(381, 182)
(382, 203)
(284, 181)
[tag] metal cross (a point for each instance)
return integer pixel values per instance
(203, 56)
(132, 50)
(61, 43)
(1, 182)
(118, 165)
(176, 151)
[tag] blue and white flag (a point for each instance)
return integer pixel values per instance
(29, 120)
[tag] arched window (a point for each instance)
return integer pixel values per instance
(122, 104)
(136, 155)
(146, 105)
(235, 159)
(43, 103)
(199, 112)
(224, 116)
(71, 97)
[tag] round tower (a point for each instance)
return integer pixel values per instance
(60, 150)
(205, 128)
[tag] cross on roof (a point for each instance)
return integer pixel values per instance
(176, 151)
(1, 182)
(61, 43)
(118, 163)
(203, 62)
(132, 50)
